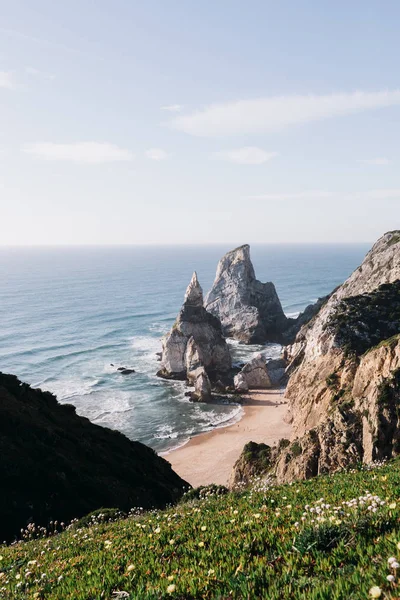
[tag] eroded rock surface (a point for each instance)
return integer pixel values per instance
(195, 340)
(249, 311)
(254, 375)
(344, 374)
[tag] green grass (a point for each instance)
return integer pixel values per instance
(293, 542)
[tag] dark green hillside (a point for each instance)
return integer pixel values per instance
(57, 465)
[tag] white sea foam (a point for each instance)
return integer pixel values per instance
(293, 315)
(215, 421)
(68, 388)
(165, 432)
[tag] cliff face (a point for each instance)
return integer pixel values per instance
(343, 385)
(344, 374)
(359, 315)
(57, 465)
(250, 311)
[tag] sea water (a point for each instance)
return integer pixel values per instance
(68, 314)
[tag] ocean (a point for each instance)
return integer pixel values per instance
(68, 314)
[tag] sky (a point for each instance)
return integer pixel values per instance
(178, 121)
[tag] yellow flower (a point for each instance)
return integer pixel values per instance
(398, 545)
(201, 544)
(240, 568)
(130, 568)
(393, 505)
(172, 542)
(171, 588)
(88, 572)
(170, 577)
(211, 571)
(375, 592)
(203, 528)
(257, 516)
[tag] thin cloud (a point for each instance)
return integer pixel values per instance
(378, 194)
(249, 155)
(381, 161)
(306, 195)
(7, 81)
(266, 115)
(38, 73)
(384, 194)
(173, 107)
(156, 154)
(82, 152)
(23, 36)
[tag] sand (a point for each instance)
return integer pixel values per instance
(209, 457)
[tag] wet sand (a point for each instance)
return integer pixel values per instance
(209, 457)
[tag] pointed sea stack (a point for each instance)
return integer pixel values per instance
(194, 341)
(249, 311)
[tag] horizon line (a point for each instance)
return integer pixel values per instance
(185, 244)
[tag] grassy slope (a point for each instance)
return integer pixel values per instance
(244, 545)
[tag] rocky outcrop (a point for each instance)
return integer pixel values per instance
(202, 385)
(254, 375)
(55, 465)
(195, 340)
(358, 315)
(250, 311)
(344, 374)
(240, 383)
(276, 370)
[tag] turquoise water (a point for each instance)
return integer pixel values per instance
(66, 314)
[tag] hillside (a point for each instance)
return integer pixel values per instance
(329, 538)
(55, 465)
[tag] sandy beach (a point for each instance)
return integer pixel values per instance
(209, 457)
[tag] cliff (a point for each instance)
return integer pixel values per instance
(344, 374)
(55, 465)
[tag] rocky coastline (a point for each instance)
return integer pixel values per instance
(343, 387)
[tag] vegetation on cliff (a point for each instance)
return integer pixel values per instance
(359, 323)
(332, 537)
(55, 465)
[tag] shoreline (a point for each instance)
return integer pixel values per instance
(210, 456)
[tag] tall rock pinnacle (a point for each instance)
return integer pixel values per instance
(249, 311)
(195, 340)
(194, 292)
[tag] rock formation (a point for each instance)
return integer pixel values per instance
(202, 385)
(254, 375)
(344, 384)
(359, 315)
(194, 341)
(55, 465)
(249, 311)
(277, 372)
